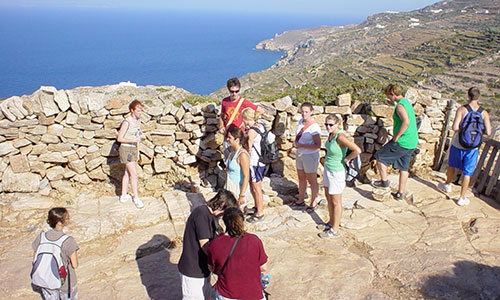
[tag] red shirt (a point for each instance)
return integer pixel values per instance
(240, 278)
(229, 106)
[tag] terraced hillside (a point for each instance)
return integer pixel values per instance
(450, 45)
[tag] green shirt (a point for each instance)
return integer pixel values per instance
(335, 155)
(409, 139)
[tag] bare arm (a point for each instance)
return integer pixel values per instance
(487, 122)
(204, 245)
(458, 118)
(251, 137)
(244, 162)
(263, 267)
(343, 141)
(316, 145)
(74, 259)
(405, 122)
(222, 128)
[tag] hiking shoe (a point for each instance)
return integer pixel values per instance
(125, 198)
(444, 187)
(324, 226)
(398, 196)
(381, 184)
(137, 201)
(463, 201)
(328, 233)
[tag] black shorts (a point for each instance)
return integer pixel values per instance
(395, 155)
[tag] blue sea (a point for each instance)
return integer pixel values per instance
(197, 51)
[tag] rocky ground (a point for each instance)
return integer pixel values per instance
(426, 247)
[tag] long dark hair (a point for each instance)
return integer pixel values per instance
(222, 200)
(237, 133)
(233, 219)
(56, 215)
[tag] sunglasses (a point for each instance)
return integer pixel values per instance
(329, 125)
(234, 91)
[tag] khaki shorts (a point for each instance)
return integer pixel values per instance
(128, 154)
(307, 162)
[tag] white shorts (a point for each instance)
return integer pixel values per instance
(334, 181)
(195, 288)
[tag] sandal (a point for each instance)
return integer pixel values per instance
(297, 205)
(309, 209)
(249, 211)
(255, 219)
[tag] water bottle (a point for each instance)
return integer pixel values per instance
(265, 280)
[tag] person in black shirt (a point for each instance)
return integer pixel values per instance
(201, 228)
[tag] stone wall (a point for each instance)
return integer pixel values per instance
(54, 136)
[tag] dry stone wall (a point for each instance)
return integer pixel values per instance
(55, 136)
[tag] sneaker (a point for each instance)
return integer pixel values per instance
(125, 198)
(324, 226)
(444, 187)
(398, 196)
(137, 201)
(328, 233)
(381, 184)
(463, 201)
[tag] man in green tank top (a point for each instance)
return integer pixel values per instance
(397, 152)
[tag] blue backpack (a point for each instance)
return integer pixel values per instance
(470, 134)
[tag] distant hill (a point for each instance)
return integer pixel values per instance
(448, 46)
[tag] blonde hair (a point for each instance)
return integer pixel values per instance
(395, 89)
(336, 119)
(249, 114)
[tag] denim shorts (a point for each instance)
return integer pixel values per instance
(395, 155)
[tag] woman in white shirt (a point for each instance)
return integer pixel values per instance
(307, 142)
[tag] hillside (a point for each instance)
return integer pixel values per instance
(450, 46)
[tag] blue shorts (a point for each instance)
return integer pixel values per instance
(257, 173)
(464, 160)
(395, 155)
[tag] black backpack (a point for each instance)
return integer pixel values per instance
(470, 134)
(268, 147)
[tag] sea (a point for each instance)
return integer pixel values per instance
(194, 50)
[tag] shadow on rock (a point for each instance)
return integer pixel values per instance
(158, 274)
(469, 281)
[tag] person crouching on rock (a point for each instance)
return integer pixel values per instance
(334, 173)
(201, 228)
(239, 276)
(238, 165)
(129, 138)
(253, 132)
(44, 244)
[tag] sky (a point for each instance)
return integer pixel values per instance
(310, 7)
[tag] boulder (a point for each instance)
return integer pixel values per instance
(19, 164)
(344, 100)
(6, 148)
(283, 104)
(382, 110)
(61, 98)
(20, 182)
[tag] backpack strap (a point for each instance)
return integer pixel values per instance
(468, 107)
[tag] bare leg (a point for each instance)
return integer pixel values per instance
(465, 186)
(403, 178)
(130, 167)
(329, 200)
(313, 183)
(302, 185)
(256, 189)
(450, 174)
(382, 169)
(125, 179)
(337, 210)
